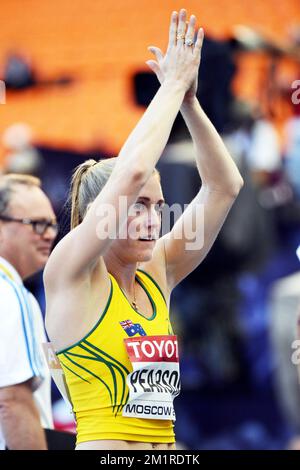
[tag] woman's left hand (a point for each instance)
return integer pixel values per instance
(157, 66)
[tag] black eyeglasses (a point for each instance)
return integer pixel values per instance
(40, 226)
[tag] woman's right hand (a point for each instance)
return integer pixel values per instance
(181, 61)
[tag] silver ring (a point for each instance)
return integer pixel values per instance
(189, 42)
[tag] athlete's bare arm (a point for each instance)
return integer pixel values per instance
(176, 253)
(134, 166)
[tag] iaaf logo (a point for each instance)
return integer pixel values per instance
(154, 348)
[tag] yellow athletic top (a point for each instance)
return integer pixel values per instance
(96, 369)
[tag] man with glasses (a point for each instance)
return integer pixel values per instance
(27, 230)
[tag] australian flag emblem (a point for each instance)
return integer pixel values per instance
(132, 329)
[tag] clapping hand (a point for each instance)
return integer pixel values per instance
(182, 59)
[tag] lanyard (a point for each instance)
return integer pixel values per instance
(6, 271)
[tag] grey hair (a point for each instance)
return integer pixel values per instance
(8, 184)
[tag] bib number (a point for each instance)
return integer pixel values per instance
(155, 379)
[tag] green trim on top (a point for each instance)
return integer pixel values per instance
(106, 355)
(108, 365)
(149, 297)
(155, 283)
(77, 375)
(94, 328)
(119, 366)
(113, 369)
(66, 355)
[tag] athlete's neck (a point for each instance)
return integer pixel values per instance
(123, 273)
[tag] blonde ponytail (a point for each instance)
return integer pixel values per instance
(75, 186)
(88, 180)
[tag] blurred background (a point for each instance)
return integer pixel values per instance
(77, 83)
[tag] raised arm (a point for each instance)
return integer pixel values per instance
(221, 180)
(205, 215)
(135, 164)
